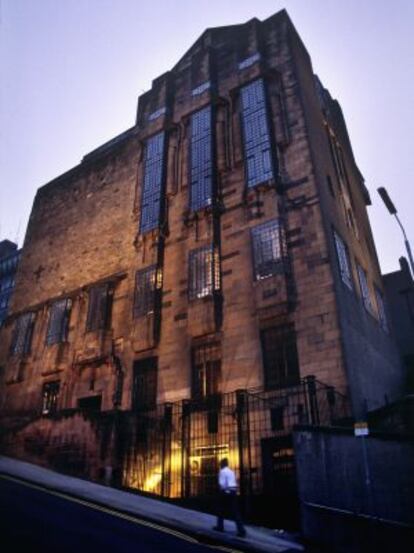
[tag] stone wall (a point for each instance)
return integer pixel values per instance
(84, 230)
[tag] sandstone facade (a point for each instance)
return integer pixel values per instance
(85, 231)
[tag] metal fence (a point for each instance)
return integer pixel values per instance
(174, 450)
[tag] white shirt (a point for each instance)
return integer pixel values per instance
(227, 480)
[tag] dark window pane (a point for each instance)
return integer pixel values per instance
(280, 357)
(206, 370)
(91, 403)
(343, 260)
(277, 418)
(257, 148)
(144, 291)
(269, 249)
(22, 335)
(50, 396)
(203, 272)
(363, 285)
(98, 308)
(153, 181)
(201, 159)
(382, 314)
(144, 388)
(58, 321)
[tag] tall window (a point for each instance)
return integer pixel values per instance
(144, 386)
(204, 272)
(280, 357)
(201, 165)
(269, 249)
(382, 315)
(343, 260)
(152, 182)
(50, 396)
(257, 148)
(22, 335)
(99, 308)
(145, 283)
(206, 368)
(363, 285)
(57, 329)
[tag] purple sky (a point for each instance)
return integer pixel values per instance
(71, 72)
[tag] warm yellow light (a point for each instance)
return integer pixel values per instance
(151, 483)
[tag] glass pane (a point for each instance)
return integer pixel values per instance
(152, 185)
(256, 134)
(201, 159)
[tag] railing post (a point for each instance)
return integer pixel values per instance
(166, 451)
(243, 443)
(331, 399)
(185, 447)
(312, 399)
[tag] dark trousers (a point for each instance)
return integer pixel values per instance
(229, 508)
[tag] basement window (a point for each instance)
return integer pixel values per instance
(50, 396)
(206, 370)
(256, 136)
(280, 357)
(22, 334)
(57, 329)
(90, 403)
(144, 385)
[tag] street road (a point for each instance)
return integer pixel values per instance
(37, 521)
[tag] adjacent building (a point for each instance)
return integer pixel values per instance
(220, 245)
(399, 289)
(9, 260)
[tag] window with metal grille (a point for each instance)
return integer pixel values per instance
(145, 283)
(206, 370)
(50, 396)
(204, 272)
(201, 166)
(280, 357)
(343, 260)
(382, 314)
(144, 386)
(363, 285)
(152, 186)
(99, 308)
(269, 249)
(22, 335)
(256, 137)
(57, 329)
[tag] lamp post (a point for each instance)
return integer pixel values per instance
(393, 210)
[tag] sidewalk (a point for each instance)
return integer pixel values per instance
(194, 523)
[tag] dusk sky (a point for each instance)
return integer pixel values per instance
(71, 72)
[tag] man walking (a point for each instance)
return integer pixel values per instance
(228, 499)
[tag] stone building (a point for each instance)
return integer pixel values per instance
(9, 260)
(222, 243)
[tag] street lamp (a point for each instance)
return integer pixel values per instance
(393, 210)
